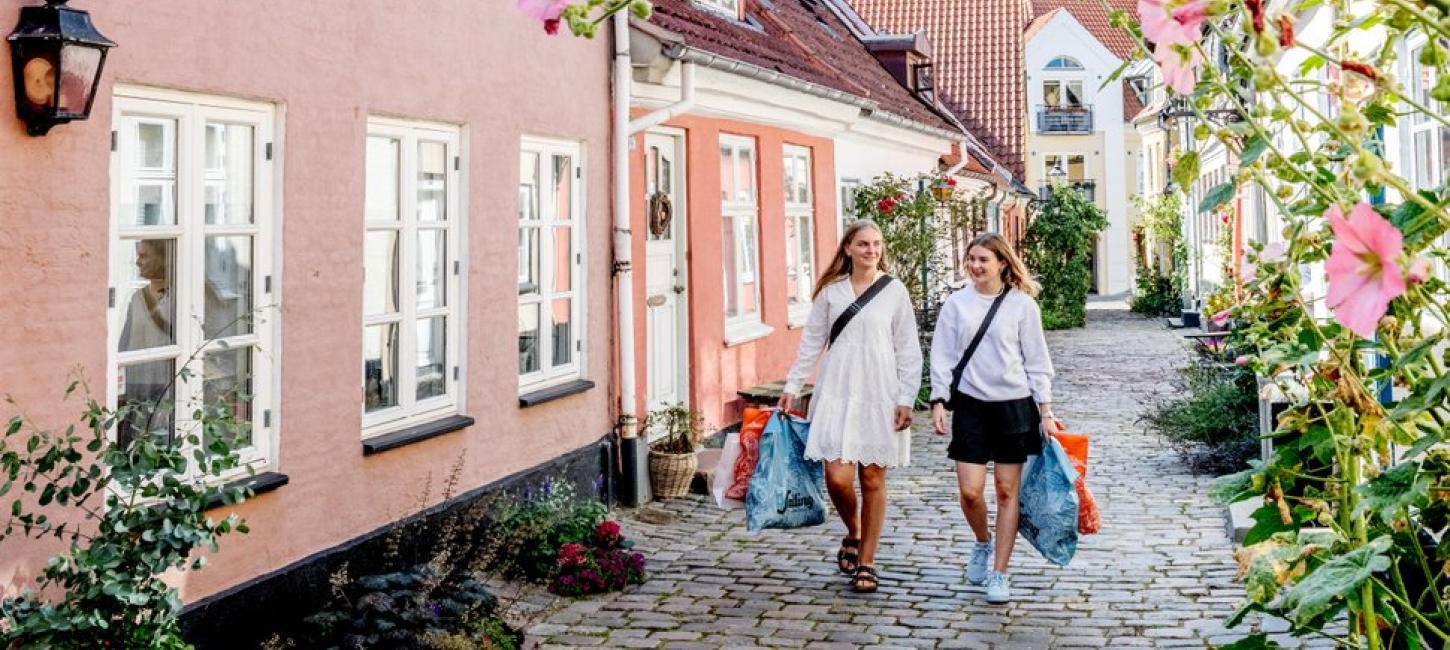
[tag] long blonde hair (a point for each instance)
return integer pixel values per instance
(840, 265)
(1015, 272)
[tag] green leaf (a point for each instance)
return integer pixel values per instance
(1417, 352)
(1319, 591)
(1421, 446)
(1379, 114)
(15, 424)
(1266, 523)
(1314, 62)
(1421, 399)
(1215, 197)
(1116, 73)
(1253, 149)
(1186, 171)
(1258, 641)
(1401, 487)
(1234, 487)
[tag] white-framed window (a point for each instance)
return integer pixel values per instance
(847, 211)
(551, 263)
(193, 229)
(1062, 93)
(1427, 141)
(412, 274)
(727, 8)
(1063, 63)
(800, 249)
(740, 240)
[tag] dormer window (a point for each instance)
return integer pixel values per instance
(923, 83)
(1064, 63)
(727, 8)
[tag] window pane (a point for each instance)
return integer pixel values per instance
(153, 204)
(1424, 161)
(749, 252)
(792, 256)
(563, 319)
(432, 181)
(789, 170)
(745, 175)
(1051, 93)
(529, 261)
(227, 300)
(381, 198)
(229, 149)
(156, 142)
(528, 186)
(728, 249)
(380, 272)
(1076, 168)
(727, 172)
(563, 187)
(807, 267)
(432, 269)
(803, 178)
(149, 297)
(1074, 93)
(145, 401)
(432, 357)
(529, 352)
(227, 392)
(563, 259)
(380, 366)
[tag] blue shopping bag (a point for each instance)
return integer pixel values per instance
(787, 489)
(1049, 503)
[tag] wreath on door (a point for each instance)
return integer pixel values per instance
(661, 212)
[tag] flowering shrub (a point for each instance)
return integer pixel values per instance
(604, 564)
(1358, 543)
(583, 18)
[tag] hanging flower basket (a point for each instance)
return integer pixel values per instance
(943, 188)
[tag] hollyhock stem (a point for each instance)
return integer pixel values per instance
(1428, 20)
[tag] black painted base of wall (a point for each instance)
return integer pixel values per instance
(248, 614)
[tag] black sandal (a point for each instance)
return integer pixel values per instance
(846, 560)
(865, 581)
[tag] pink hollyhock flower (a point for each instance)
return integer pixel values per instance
(1180, 69)
(1419, 271)
(544, 10)
(1221, 318)
(1243, 360)
(1181, 26)
(1274, 252)
(1364, 275)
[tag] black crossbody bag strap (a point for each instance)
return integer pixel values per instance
(977, 340)
(856, 307)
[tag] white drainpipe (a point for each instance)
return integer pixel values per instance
(633, 449)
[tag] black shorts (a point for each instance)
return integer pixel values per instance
(1001, 432)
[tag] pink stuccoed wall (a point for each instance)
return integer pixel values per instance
(328, 64)
(718, 371)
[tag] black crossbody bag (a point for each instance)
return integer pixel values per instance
(856, 307)
(972, 347)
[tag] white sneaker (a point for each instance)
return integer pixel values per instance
(977, 567)
(999, 590)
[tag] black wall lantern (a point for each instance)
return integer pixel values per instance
(57, 57)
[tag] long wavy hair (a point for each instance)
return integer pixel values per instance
(1014, 272)
(840, 266)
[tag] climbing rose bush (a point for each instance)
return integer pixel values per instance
(1347, 543)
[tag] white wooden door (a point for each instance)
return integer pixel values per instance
(665, 299)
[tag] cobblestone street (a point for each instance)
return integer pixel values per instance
(1159, 575)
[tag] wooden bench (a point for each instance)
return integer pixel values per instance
(768, 394)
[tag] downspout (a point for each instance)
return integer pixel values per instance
(633, 452)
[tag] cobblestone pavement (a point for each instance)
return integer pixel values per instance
(1161, 573)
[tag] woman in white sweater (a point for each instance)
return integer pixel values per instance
(861, 410)
(999, 391)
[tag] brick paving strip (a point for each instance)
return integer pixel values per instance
(1160, 574)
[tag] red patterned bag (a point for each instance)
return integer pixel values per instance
(751, 427)
(1089, 520)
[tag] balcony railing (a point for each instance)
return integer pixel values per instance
(1064, 119)
(1085, 188)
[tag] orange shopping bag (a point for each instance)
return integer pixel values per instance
(1089, 520)
(751, 427)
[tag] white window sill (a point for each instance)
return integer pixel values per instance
(739, 333)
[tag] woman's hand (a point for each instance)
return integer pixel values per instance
(787, 400)
(1050, 426)
(939, 418)
(903, 417)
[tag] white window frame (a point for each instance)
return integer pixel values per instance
(191, 113)
(801, 210)
(1416, 125)
(727, 8)
(549, 375)
(745, 216)
(846, 211)
(409, 410)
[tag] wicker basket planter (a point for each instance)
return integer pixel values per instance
(670, 474)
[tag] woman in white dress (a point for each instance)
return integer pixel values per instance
(861, 409)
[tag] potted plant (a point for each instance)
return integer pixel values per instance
(672, 460)
(943, 187)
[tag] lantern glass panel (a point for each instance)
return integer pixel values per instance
(79, 65)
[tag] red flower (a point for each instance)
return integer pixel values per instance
(551, 26)
(1286, 31)
(1360, 68)
(1256, 10)
(951, 182)
(887, 205)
